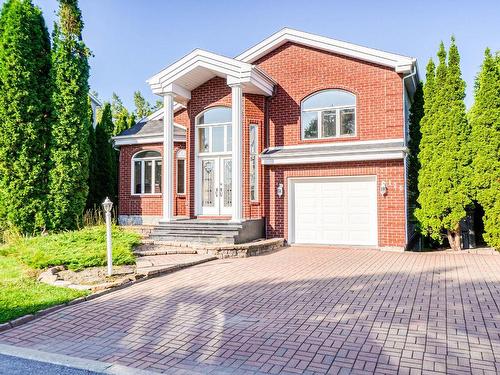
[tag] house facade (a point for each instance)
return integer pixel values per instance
(305, 134)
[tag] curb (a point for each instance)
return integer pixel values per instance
(149, 275)
(70, 362)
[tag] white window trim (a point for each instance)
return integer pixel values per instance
(180, 157)
(256, 198)
(153, 174)
(337, 110)
(210, 127)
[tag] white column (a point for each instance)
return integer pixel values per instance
(168, 157)
(237, 166)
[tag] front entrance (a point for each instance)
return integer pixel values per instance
(213, 162)
(216, 187)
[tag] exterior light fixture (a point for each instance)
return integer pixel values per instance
(279, 190)
(383, 188)
(108, 206)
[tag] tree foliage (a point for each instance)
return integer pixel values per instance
(69, 148)
(444, 152)
(485, 122)
(25, 115)
(416, 114)
(142, 106)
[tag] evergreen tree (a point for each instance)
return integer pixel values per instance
(25, 115)
(142, 107)
(68, 179)
(105, 171)
(416, 114)
(444, 153)
(92, 181)
(121, 116)
(485, 122)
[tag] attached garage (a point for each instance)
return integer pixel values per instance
(333, 211)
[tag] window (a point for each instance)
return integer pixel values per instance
(328, 114)
(181, 172)
(254, 171)
(214, 130)
(146, 172)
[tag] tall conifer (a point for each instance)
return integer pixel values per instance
(485, 122)
(70, 150)
(25, 115)
(444, 152)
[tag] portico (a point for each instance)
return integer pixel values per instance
(223, 175)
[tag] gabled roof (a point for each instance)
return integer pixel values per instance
(401, 64)
(199, 66)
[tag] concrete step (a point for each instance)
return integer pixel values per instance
(188, 231)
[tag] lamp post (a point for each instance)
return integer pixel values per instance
(108, 205)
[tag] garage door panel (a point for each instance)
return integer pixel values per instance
(335, 211)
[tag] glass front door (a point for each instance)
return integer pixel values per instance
(216, 186)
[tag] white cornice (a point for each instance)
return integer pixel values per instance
(401, 64)
(194, 68)
(341, 152)
(143, 139)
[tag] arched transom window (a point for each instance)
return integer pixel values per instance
(214, 130)
(146, 173)
(328, 114)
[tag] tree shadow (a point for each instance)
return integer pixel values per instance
(362, 321)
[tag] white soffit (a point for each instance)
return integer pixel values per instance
(199, 66)
(401, 64)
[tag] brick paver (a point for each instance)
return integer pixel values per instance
(299, 310)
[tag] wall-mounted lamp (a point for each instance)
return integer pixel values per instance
(383, 188)
(279, 190)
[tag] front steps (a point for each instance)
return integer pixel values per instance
(208, 231)
(150, 248)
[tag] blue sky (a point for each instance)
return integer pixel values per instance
(133, 39)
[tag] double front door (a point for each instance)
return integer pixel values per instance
(216, 186)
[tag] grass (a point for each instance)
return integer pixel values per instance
(21, 294)
(22, 259)
(76, 250)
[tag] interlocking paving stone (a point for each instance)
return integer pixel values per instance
(302, 310)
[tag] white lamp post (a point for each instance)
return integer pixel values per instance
(108, 205)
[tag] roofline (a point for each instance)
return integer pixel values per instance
(94, 98)
(401, 64)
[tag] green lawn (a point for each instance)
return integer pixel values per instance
(21, 260)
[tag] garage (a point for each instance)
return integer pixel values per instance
(333, 211)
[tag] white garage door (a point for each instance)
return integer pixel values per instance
(334, 211)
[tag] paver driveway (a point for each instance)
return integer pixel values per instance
(299, 310)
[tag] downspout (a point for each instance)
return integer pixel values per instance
(405, 160)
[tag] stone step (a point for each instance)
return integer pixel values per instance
(193, 237)
(188, 231)
(225, 227)
(158, 249)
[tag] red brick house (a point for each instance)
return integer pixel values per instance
(303, 134)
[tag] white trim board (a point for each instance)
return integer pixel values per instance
(400, 63)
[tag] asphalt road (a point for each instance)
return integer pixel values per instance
(20, 366)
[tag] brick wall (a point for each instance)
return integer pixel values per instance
(301, 71)
(150, 205)
(391, 207)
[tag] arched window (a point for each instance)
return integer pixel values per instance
(146, 172)
(181, 172)
(214, 130)
(328, 114)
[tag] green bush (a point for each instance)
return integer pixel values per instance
(75, 249)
